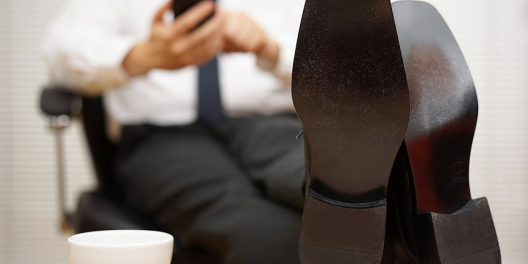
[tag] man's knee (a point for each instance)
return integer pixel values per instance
(278, 123)
(252, 230)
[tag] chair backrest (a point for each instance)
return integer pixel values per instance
(102, 150)
(57, 101)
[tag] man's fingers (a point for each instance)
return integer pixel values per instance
(159, 15)
(243, 34)
(256, 43)
(210, 28)
(246, 34)
(233, 25)
(204, 51)
(213, 47)
(228, 47)
(192, 17)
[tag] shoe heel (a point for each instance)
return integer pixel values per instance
(340, 235)
(465, 237)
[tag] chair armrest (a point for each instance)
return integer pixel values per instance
(60, 105)
(58, 101)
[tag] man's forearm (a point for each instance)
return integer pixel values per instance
(271, 52)
(137, 61)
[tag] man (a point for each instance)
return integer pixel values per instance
(202, 115)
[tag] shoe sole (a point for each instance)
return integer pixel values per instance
(350, 93)
(452, 227)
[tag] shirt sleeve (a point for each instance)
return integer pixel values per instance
(284, 67)
(286, 37)
(84, 49)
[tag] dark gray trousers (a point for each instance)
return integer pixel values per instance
(234, 191)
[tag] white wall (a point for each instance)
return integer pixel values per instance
(493, 35)
(28, 211)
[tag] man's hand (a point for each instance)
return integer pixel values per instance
(176, 45)
(243, 34)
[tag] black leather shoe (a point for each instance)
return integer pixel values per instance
(451, 227)
(401, 232)
(350, 93)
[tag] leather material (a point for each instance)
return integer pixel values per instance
(444, 108)
(56, 101)
(350, 92)
(450, 226)
(103, 209)
(103, 151)
(99, 211)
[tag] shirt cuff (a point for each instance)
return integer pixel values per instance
(283, 68)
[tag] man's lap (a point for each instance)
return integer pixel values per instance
(268, 150)
(201, 186)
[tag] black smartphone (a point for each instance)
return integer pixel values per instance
(180, 6)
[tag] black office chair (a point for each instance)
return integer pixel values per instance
(104, 208)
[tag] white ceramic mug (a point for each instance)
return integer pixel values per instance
(121, 247)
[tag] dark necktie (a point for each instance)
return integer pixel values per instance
(210, 111)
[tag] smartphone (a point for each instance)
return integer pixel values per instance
(180, 6)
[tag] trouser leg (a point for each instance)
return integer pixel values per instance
(197, 191)
(268, 149)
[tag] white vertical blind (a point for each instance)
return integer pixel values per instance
(28, 208)
(5, 132)
(492, 34)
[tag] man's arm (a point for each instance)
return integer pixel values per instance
(84, 48)
(243, 34)
(274, 50)
(176, 45)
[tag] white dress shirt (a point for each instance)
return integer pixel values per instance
(86, 44)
